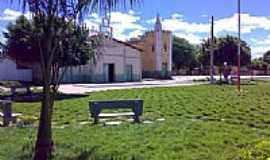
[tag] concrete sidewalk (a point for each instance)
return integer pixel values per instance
(176, 81)
(86, 88)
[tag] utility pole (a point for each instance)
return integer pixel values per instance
(239, 47)
(212, 49)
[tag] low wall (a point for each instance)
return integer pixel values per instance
(9, 72)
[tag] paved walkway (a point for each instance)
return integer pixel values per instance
(148, 83)
(176, 81)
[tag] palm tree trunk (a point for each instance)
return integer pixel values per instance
(44, 143)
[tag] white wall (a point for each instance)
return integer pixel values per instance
(112, 52)
(8, 71)
(119, 55)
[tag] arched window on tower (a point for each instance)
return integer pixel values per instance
(153, 48)
(165, 48)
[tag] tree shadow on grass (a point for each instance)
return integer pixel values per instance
(27, 153)
(86, 155)
(37, 97)
(92, 155)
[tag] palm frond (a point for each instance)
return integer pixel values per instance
(75, 9)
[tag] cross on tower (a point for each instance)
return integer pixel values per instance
(105, 26)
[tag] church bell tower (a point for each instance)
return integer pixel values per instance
(158, 43)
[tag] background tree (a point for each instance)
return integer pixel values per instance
(266, 57)
(184, 54)
(50, 17)
(226, 51)
(21, 46)
(258, 64)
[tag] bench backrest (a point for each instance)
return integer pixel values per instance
(135, 105)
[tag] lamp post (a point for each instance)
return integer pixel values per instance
(212, 52)
(239, 47)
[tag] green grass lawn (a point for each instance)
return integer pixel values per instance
(201, 122)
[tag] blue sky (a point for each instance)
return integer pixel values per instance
(186, 18)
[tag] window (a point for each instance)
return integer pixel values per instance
(153, 48)
(165, 47)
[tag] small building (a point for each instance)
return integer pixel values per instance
(117, 61)
(157, 55)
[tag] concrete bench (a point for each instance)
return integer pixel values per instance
(5, 106)
(6, 114)
(13, 89)
(96, 108)
(234, 79)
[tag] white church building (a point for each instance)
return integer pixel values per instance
(117, 62)
(149, 56)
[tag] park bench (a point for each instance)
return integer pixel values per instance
(13, 89)
(96, 108)
(16, 87)
(7, 115)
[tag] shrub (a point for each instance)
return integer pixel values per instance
(259, 151)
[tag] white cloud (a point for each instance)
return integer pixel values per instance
(93, 22)
(131, 12)
(179, 24)
(12, 15)
(151, 21)
(125, 25)
(204, 15)
(259, 47)
(135, 33)
(192, 31)
(192, 38)
(249, 23)
(263, 42)
(177, 15)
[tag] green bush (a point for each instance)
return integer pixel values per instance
(259, 151)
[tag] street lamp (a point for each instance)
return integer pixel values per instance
(212, 52)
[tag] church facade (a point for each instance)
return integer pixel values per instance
(149, 56)
(157, 55)
(117, 61)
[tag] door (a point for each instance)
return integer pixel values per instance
(128, 72)
(111, 73)
(164, 71)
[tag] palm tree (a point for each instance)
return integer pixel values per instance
(47, 14)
